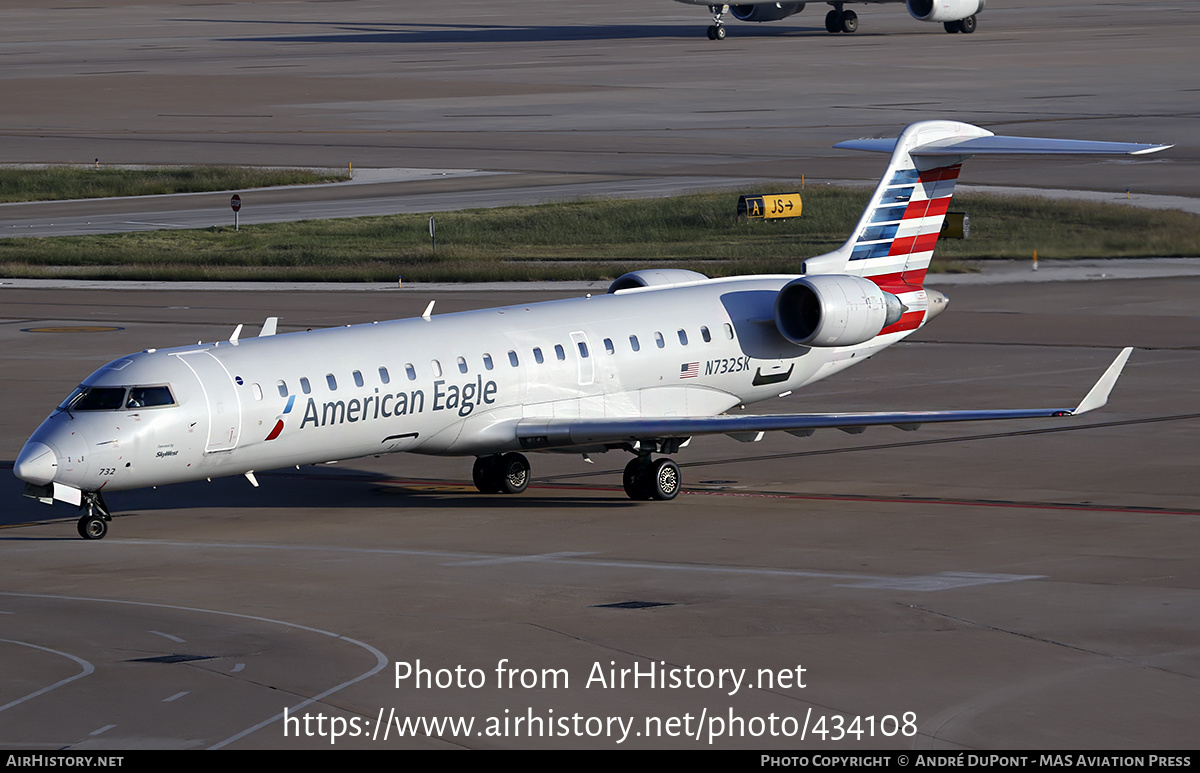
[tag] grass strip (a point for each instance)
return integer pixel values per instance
(55, 183)
(591, 240)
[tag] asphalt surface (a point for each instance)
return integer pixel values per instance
(956, 588)
(1015, 586)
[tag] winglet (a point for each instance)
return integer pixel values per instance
(1099, 394)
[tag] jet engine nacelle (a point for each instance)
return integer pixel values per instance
(765, 11)
(834, 310)
(944, 10)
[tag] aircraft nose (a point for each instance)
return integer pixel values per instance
(36, 464)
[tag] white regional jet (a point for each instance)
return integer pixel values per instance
(643, 368)
(953, 15)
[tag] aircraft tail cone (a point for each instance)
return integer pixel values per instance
(937, 304)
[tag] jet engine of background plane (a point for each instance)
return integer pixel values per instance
(769, 12)
(948, 12)
(656, 277)
(834, 310)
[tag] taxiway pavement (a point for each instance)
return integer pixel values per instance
(1013, 586)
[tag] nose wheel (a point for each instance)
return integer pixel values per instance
(717, 30)
(93, 524)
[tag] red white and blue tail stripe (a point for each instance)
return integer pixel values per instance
(893, 243)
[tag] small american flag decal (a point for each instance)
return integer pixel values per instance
(689, 370)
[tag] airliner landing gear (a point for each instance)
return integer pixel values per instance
(966, 25)
(838, 20)
(648, 479)
(501, 473)
(93, 524)
(717, 30)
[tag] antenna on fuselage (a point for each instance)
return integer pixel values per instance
(237, 331)
(269, 327)
(425, 315)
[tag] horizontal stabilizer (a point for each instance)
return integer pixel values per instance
(1006, 146)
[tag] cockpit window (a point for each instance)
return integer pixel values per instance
(87, 398)
(149, 397)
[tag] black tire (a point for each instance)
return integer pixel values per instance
(632, 478)
(952, 26)
(92, 527)
(719, 33)
(712, 32)
(484, 474)
(833, 22)
(513, 474)
(968, 25)
(849, 22)
(664, 480)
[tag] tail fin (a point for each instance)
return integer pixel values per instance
(894, 239)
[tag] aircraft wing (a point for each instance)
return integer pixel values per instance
(536, 434)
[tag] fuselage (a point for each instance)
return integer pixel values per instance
(453, 384)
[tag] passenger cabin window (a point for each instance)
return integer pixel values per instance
(384, 376)
(560, 352)
(729, 331)
(633, 344)
(583, 350)
(462, 364)
(683, 336)
(608, 346)
(282, 387)
(410, 371)
(358, 379)
(658, 340)
(437, 368)
(487, 362)
(331, 382)
(707, 336)
(537, 355)
(255, 388)
(305, 386)
(512, 358)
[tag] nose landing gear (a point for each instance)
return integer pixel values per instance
(93, 524)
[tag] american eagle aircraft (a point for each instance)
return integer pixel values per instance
(953, 15)
(657, 360)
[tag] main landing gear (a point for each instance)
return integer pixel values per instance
(93, 524)
(966, 25)
(838, 20)
(644, 478)
(501, 473)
